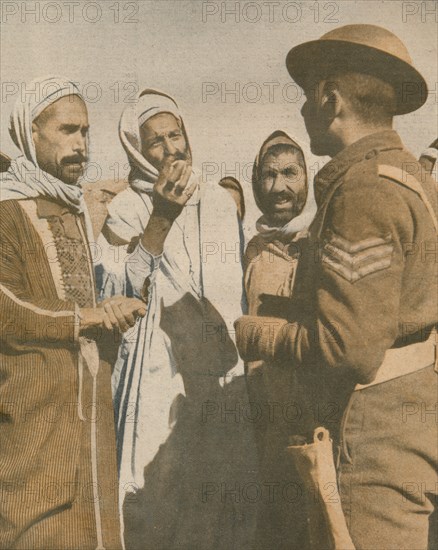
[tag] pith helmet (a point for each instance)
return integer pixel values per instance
(365, 49)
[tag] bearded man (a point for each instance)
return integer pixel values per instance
(281, 192)
(178, 245)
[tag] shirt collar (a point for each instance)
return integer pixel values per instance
(52, 210)
(365, 148)
(47, 208)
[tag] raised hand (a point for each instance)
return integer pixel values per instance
(172, 189)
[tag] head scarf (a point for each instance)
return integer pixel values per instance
(149, 103)
(300, 222)
(25, 179)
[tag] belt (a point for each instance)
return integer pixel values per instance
(402, 361)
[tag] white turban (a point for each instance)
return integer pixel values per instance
(148, 104)
(40, 93)
(25, 179)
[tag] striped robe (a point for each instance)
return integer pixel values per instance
(58, 478)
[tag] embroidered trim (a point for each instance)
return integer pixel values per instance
(90, 261)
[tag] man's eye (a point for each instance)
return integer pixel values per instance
(269, 175)
(290, 173)
(69, 129)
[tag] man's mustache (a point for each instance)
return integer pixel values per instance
(179, 155)
(282, 195)
(74, 159)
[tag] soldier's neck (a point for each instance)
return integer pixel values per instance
(355, 130)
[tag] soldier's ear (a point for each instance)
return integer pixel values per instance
(331, 101)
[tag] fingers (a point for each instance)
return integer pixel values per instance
(191, 189)
(106, 321)
(183, 180)
(115, 317)
(141, 311)
(125, 318)
(177, 174)
(122, 312)
(167, 166)
(108, 307)
(137, 308)
(164, 175)
(177, 171)
(131, 309)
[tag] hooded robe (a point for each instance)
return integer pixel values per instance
(173, 363)
(57, 447)
(271, 260)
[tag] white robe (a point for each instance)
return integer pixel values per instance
(201, 258)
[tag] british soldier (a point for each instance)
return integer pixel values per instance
(369, 283)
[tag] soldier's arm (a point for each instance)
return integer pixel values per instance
(359, 284)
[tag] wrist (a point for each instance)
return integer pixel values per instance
(164, 209)
(258, 337)
(160, 220)
(155, 234)
(90, 317)
(270, 336)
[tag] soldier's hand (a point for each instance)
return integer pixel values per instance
(172, 189)
(248, 330)
(121, 312)
(256, 337)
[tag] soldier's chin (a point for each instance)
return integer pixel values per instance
(319, 146)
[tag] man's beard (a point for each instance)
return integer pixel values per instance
(281, 218)
(71, 174)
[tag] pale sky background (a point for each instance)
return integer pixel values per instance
(179, 47)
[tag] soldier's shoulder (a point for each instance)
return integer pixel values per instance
(381, 173)
(361, 178)
(367, 190)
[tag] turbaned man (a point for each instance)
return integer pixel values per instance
(58, 476)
